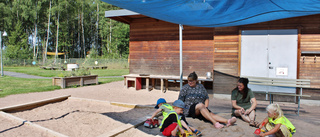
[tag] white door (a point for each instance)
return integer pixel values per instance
(269, 53)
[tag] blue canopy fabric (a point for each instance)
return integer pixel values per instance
(219, 13)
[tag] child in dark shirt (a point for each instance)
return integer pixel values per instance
(175, 121)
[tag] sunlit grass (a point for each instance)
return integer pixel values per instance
(12, 85)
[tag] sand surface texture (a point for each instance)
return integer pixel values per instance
(89, 113)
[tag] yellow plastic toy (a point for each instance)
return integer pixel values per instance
(186, 134)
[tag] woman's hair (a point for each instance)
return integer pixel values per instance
(245, 82)
(193, 75)
(275, 108)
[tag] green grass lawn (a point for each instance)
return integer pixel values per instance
(13, 85)
(108, 80)
(37, 71)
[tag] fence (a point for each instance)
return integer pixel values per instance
(110, 63)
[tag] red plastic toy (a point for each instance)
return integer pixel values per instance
(151, 123)
(258, 131)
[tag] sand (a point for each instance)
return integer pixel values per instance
(77, 118)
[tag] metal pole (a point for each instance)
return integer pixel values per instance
(180, 40)
(1, 53)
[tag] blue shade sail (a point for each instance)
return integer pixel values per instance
(219, 13)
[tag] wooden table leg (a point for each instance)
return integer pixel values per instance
(125, 83)
(161, 85)
(153, 83)
(166, 82)
(147, 84)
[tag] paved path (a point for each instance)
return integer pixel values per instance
(22, 75)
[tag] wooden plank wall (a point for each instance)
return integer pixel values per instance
(310, 41)
(227, 42)
(310, 69)
(310, 63)
(154, 48)
(226, 48)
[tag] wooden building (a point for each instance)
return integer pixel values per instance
(154, 48)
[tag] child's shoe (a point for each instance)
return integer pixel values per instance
(198, 133)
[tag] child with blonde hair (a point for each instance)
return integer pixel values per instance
(276, 123)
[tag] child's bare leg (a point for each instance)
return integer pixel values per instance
(181, 129)
(284, 131)
(174, 131)
(192, 128)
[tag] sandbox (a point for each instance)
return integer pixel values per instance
(74, 117)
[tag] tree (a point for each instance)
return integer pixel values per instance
(121, 39)
(18, 48)
(72, 26)
(48, 30)
(4, 14)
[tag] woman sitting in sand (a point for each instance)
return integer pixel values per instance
(196, 99)
(244, 103)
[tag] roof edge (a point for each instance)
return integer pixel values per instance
(117, 13)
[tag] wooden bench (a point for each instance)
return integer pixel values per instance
(136, 78)
(281, 82)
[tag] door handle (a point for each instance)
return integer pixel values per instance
(270, 67)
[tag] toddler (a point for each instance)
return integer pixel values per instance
(276, 123)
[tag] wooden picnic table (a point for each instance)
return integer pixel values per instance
(136, 78)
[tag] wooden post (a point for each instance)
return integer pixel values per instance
(63, 83)
(153, 83)
(125, 82)
(97, 82)
(81, 81)
(147, 83)
(166, 82)
(161, 85)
